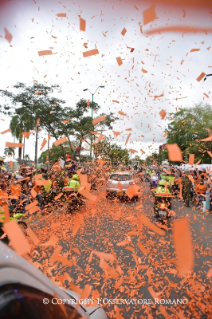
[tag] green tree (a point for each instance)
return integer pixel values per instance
(36, 102)
(187, 127)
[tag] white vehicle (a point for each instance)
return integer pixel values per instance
(125, 179)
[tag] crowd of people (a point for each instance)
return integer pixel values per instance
(194, 186)
(18, 189)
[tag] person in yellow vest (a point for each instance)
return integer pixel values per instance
(74, 183)
(47, 188)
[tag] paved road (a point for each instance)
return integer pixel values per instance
(131, 274)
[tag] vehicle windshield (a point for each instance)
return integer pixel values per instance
(21, 301)
(120, 178)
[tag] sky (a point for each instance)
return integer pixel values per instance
(161, 63)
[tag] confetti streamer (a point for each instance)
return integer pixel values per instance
(183, 246)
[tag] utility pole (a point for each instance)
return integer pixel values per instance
(24, 148)
(48, 154)
(36, 147)
(101, 86)
(91, 134)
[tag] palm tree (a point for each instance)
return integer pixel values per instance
(20, 123)
(9, 151)
(26, 157)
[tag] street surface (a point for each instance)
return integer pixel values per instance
(114, 228)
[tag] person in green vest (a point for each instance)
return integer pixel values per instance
(74, 183)
(162, 194)
(162, 191)
(47, 188)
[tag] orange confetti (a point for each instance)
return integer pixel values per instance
(149, 224)
(174, 153)
(209, 273)
(123, 32)
(183, 246)
(157, 96)
(82, 24)
(13, 145)
(52, 241)
(8, 36)
(7, 131)
(45, 52)
(32, 235)
(191, 159)
(144, 71)
(17, 238)
(206, 95)
(61, 15)
(61, 141)
(201, 76)
(162, 114)
(122, 113)
(99, 119)
(181, 29)
(90, 53)
(128, 138)
(194, 50)
(76, 227)
(142, 248)
(119, 61)
(115, 101)
(149, 15)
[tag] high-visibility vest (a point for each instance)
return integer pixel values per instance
(74, 184)
(161, 191)
(48, 187)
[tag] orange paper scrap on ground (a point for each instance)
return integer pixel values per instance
(149, 15)
(13, 145)
(45, 52)
(17, 237)
(61, 141)
(32, 235)
(174, 153)
(99, 119)
(119, 61)
(152, 226)
(191, 159)
(82, 24)
(52, 241)
(183, 246)
(76, 227)
(90, 53)
(7, 131)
